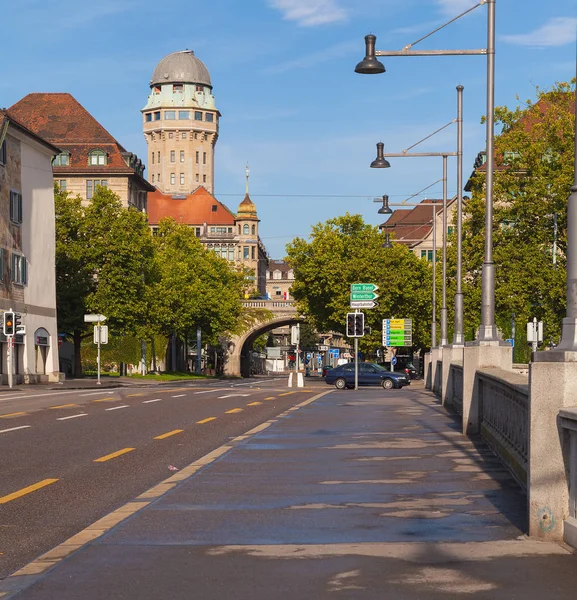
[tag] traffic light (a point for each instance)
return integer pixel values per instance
(19, 329)
(8, 323)
(359, 325)
(350, 324)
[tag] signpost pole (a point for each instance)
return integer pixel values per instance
(10, 350)
(297, 349)
(356, 360)
(98, 329)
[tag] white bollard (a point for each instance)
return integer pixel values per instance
(290, 379)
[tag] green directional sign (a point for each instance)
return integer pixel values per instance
(364, 296)
(364, 287)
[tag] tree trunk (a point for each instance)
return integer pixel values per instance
(153, 351)
(77, 370)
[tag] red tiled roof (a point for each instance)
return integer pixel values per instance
(6, 115)
(191, 209)
(413, 226)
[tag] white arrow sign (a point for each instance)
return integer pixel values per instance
(94, 318)
(363, 304)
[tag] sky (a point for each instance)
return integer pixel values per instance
(283, 77)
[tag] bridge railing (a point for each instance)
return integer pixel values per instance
(269, 304)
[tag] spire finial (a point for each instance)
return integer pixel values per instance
(247, 172)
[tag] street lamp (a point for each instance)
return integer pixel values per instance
(385, 210)
(387, 243)
(371, 65)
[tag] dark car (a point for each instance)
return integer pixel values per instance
(369, 374)
(326, 369)
(402, 366)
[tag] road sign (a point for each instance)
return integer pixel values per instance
(363, 304)
(364, 296)
(397, 332)
(103, 334)
(335, 352)
(94, 318)
(295, 335)
(394, 361)
(364, 287)
(323, 348)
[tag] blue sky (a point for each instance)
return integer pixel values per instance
(283, 77)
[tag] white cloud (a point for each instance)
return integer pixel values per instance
(309, 13)
(451, 8)
(556, 32)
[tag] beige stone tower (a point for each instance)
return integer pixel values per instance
(180, 123)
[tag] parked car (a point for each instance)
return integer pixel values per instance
(343, 376)
(326, 369)
(402, 366)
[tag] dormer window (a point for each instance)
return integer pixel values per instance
(61, 160)
(156, 89)
(97, 158)
(199, 88)
(178, 87)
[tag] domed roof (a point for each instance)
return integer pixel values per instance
(181, 67)
(247, 209)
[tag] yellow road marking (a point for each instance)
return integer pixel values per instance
(270, 398)
(114, 454)
(165, 435)
(27, 490)
(10, 415)
(234, 410)
(206, 421)
(107, 399)
(287, 394)
(63, 406)
(130, 395)
(254, 404)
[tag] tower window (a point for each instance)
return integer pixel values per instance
(196, 177)
(245, 230)
(182, 179)
(156, 89)
(97, 157)
(245, 252)
(209, 117)
(153, 158)
(170, 115)
(252, 252)
(184, 114)
(204, 158)
(178, 87)
(182, 156)
(170, 135)
(148, 117)
(204, 179)
(197, 156)
(197, 115)
(158, 177)
(159, 157)
(172, 156)
(199, 88)
(195, 135)
(153, 178)
(172, 179)
(183, 134)
(254, 229)
(157, 115)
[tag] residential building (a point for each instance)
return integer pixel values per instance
(89, 155)
(180, 123)
(279, 280)
(414, 226)
(27, 250)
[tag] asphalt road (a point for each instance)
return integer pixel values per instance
(68, 458)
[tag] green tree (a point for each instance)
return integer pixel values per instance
(346, 250)
(534, 157)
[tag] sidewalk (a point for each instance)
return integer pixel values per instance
(371, 494)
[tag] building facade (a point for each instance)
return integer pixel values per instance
(27, 250)
(180, 123)
(89, 156)
(279, 280)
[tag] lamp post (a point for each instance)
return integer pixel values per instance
(371, 65)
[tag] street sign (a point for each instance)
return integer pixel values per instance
(323, 348)
(103, 334)
(295, 335)
(363, 304)
(364, 287)
(394, 361)
(397, 332)
(94, 318)
(364, 296)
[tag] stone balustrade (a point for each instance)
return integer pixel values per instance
(456, 385)
(568, 424)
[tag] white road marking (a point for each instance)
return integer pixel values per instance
(233, 396)
(72, 417)
(117, 407)
(15, 428)
(208, 391)
(106, 392)
(155, 400)
(178, 396)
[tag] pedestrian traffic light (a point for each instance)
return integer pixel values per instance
(359, 325)
(350, 324)
(8, 323)
(19, 329)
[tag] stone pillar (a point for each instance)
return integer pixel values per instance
(552, 386)
(427, 371)
(451, 355)
(436, 356)
(475, 357)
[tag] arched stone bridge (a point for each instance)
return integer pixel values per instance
(283, 313)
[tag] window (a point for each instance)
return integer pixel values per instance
(170, 115)
(158, 177)
(428, 254)
(245, 252)
(60, 160)
(204, 158)
(214, 207)
(148, 117)
(197, 156)
(199, 88)
(170, 135)
(197, 231)
(276, 275)
(245, 229)
(204, 179)
(182, 179)
(157, 115)
(153, 178)
(3, 153)
(172, 156)
(252, 255)
(155, 231)
(91, 186)
(156, 89)
(195, 135)
(158, 156)
(178, 87)
(62, 184)
(231, 253)
(183, 134)
(182, 156)
(18, 269)
(196, 178)
(97, 157)
(183, 114)
(172, 179)
(197, 115)
(15, 207)
(450, 229)
(209, 117)
(230, 229)
(254, 230)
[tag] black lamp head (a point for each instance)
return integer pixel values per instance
(380, 162)
(387, 243)
(385, 209)
(370, 65)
